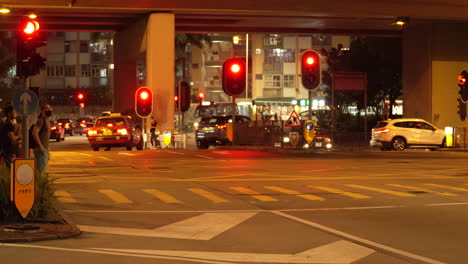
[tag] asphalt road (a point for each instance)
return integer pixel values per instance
(231, 206)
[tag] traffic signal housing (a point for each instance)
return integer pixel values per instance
(184, 96)
(310, 70)
(201, 96)
(28, 39)
(80, 97)
(234, 76)
(461, 109)
(143, 102)
(462, 79)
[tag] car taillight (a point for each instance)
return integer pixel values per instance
(92, 132)
(221, 126)
(59, 124)
(382, 130)
(196, 125)
(122, 131)
(53, 128)
(110, 125)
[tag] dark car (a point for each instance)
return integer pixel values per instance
(57, 131)
(211, 130)
(115, 130)
(83, 123)
(69, 125)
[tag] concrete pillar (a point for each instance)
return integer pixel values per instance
(160, 68)
(434, 54)
(257, 64)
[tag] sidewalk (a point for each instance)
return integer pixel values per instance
(43, 231)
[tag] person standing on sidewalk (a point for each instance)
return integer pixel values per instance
(154, 138)
(9, 136)
(41, 134)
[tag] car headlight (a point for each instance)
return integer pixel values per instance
(286, 139)
(328, 140)
(328, 146)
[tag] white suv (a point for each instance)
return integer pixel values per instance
(398, 134)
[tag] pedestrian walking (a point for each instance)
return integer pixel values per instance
(41, 135)
(9, 136)
(154, 138)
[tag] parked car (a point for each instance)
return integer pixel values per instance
(398, 134)
(211, 130)
(57, 131)
(115, 130)
(69, 125)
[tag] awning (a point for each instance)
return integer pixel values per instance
(274, 101)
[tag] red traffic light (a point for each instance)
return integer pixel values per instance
(234, 77)
(310, 70)
(461, 79)
(143, 102)
(176, 98)
(235, 68)
(80, 96)
(201, 95)
(310, 60)
(29, 27)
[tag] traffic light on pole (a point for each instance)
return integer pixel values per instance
(310, 70)
(462, 79)
(80, 97)
(143, 102)
(234, 76)
(461, 109)
(201, 96)
(28, 62)
(184, 96)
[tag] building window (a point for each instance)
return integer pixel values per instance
(272, 81)
(54, 70)
(69, 70)
(289, 81)
(84, 46)
(85, 70)
(272, 40)
(67, 46)
(99, 70)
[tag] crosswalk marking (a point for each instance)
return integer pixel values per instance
(381, 190)
(65, 197)
(447, 187)
(288, 191)
(421, 189)
(115, 196)
(208, 195)
(254, 194)
(337, 191)
(162, 196)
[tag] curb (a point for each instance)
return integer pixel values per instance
(73, 233)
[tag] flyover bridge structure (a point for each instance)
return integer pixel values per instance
(434, 40)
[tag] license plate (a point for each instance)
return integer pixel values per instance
(208, 128)
(318, 144)
(107, 132)
(99, 138)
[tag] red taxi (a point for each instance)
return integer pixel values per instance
(115, 130)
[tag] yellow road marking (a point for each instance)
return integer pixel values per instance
(447, 187)
(115, 196)
(293, 192)
(422, 189)
(208, 195)
(162, 196)
(254, 194)
(337, 191)
(65, 197)
(381, 190)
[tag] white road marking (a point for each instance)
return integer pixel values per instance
(112, 253)
(445, 204)
(341, 251)
(127, 154)
(87, 155)
(173, 152)
(202, 156)
(362, 241)
(201, 227)
(104, 158)
(237, 211)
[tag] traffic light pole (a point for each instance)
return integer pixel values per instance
(233, 118)
(25, 126)
(179, 94)
(310, 105)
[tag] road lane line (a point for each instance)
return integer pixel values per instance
(402, 194)
(337, 191)
(445, 204)
(104, 158)
(447, 187)
(254, 194)
(208, 195)
(361, 241)
(87, 155)
(293, 192)
(202, 156)
(421, 189)
(127, 154)
(162, 196)
(65, 197)
(174, 152)
(115, 196)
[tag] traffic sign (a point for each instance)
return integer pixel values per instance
(293, 120)
(309, 131)
(167, 137)
(25, 102)
(23, 185)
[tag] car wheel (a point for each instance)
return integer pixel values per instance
(384, 149)
(444, 143)
(57, 138)
(129, 146)
(96, 148)
(140, 145)
(398, 144)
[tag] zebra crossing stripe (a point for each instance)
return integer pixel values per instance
(337, 191)
(293, 192)
(208, 195)
(167, 198)
(396, 193)
(422, 189)
(447, 187)
(65, 197)
(254, 194)
(115, 196)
